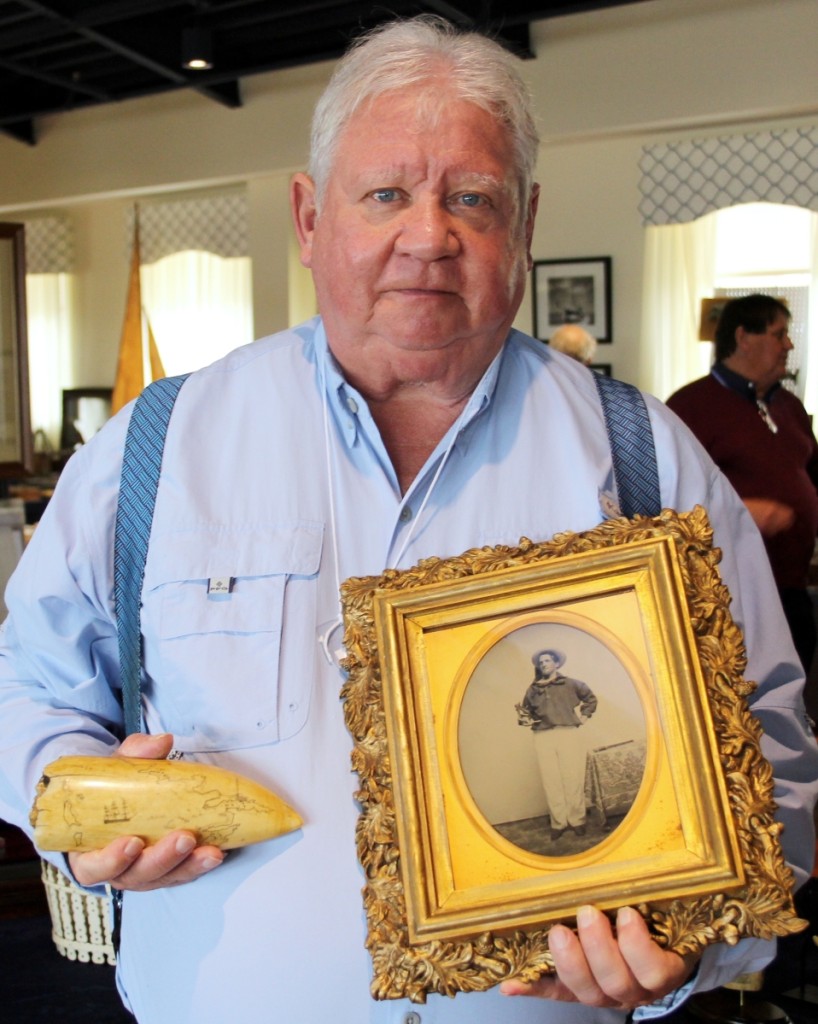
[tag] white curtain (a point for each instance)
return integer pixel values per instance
(49, 318)
(199, 306)
(679, 271)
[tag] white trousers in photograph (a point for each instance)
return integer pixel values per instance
(562, 756)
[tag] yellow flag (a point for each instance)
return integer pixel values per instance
(130, 373)
(157, 370)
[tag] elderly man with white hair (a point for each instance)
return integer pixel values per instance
(407, 420)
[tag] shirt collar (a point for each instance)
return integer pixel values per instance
(347, 403)
(343, 400)
(559, 678)
(735, 382)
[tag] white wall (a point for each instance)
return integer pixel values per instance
(605, 84)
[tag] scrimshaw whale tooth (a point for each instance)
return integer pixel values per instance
(83, 803)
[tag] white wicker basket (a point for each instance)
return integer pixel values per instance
(81, 923)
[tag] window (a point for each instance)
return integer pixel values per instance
(50, 323)
(50, 344)
(763, 247)
(199, 306)
(752, 247)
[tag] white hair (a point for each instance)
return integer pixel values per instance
(574, 341)
(408, 52)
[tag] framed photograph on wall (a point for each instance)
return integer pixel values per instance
(710, 313)
(573, 291)
(16, 447)
(84, 412)
(464, 876)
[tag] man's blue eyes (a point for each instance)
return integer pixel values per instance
(389, 195)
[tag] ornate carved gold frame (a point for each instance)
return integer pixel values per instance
(451, 904)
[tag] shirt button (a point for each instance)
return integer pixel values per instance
(411, 1018)
(405, 516)
(352, 405)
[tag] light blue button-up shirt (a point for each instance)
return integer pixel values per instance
(275, 477)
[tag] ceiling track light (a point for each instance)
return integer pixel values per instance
(197, 48)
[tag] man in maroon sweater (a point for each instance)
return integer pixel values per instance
(760, 436)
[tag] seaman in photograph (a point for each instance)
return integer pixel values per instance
(555, 707)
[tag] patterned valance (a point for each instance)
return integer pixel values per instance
(685, 180)
(216, 224)
(49, 245)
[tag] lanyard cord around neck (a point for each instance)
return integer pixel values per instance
(331, 477)
(410, 533)
(329, 462)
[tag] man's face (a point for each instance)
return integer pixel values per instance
(547, 664)
(419, 252)
(764, 356)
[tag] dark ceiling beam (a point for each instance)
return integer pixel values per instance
(226, 93)
(451, 12)
(31, 29)
(22, 131)
(516, 38)
(559, 10)
(106, 41)
(55, 43)
(59, 81)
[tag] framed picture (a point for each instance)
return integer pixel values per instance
(84, 412)
(16, 442)
(465, 870)
(575, 291)
(709, 317)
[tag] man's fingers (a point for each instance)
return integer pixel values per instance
(589, 963)
(99, 866)
(128, 864)
(547, 987)
(174, 860)
(143, 745)
(653, 967)
(599, 968)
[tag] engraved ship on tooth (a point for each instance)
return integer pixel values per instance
(83, 803)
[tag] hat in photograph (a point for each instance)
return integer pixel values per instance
(558, 656)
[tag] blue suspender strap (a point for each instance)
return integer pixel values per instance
(634, 455)
(141, 465)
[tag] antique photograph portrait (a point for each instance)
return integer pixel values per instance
(565, 726)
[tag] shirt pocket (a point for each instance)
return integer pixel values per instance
(229, 618)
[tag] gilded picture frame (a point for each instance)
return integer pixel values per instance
(437, 660)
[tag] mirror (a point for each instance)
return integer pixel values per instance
(16, 448)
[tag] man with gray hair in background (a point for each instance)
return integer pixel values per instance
(574, 341)
(407, 420)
